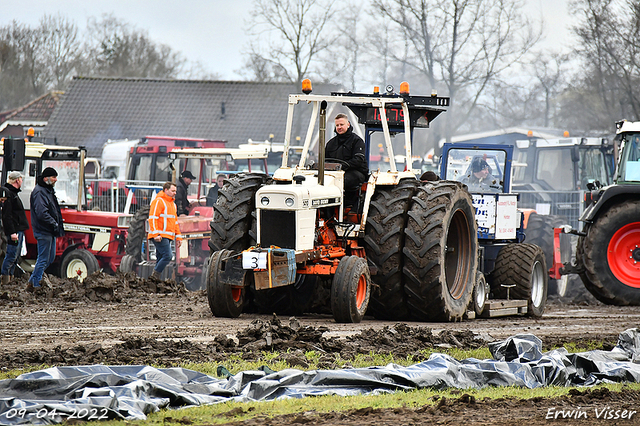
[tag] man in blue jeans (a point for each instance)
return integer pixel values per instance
(46, 222)
(14, 222)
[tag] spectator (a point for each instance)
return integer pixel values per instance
(212, 195)
(46, 223)
(349, 148)
(163, 227)
(14, 221)
(182, 201)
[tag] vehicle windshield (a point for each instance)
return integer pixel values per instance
(592, 168)
(480, 169)
(555, 167)
(630, 158)
(68, 179)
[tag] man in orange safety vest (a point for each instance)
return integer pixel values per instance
(163, 227)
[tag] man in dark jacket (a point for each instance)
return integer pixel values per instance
(348, 147)
(14, 222)
(182, 202)
(46, 223)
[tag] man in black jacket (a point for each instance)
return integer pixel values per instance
(348, 147)
(182, 202)
(14, 222)
(46, 223)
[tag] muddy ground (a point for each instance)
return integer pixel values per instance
(127, 320)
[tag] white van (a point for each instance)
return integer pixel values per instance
(115, 154)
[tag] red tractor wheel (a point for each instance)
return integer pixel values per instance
(350, 290)
(610, 253)
(623, 254)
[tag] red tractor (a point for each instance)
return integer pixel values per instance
(192, 260)
(148, 161)
(93, 240)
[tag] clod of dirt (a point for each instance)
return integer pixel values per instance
(98, 287)
(291, 340)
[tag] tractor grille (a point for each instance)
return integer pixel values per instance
(278, 228)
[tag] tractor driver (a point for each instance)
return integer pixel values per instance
(480, 178)
(348, 147)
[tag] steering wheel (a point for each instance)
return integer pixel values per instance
(338, 161)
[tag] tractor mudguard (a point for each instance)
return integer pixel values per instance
(607, 196)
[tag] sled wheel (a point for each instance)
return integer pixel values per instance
(224, 300)
(440, 252)
(126, 264)
(350, 290)
(613, 279)
(383, 243)
(480, 293)
(524, 266)
(79, 264)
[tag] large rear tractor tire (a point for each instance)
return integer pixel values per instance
(522, 266)
(351, 290)
(383, 243)
(231, 224)
(539, 231)
(440, 252)
(224, 300)
(78, 264)
(137, 234)
(611, 257)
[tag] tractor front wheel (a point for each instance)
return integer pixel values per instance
(224, 300)
(350, 290)
(79, 264)
(613, 277)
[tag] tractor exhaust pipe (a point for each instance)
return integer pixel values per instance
(81, 183)
(321, 139)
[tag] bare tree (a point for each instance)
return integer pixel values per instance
(60, 49)
(460, 46)
(117, 49)
(289, 35)
(609, 50)
(22, 75)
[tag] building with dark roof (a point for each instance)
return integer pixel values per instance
(35, 114)
(94, 110)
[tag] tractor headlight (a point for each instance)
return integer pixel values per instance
(289, 202)
(264, 201)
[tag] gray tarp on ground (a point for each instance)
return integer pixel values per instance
(130, 392)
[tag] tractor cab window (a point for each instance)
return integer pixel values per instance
(592, 168)
(143, 168)
(630, 160)
(480, 169)
(163, 171)
(555, 168)
(68, 179)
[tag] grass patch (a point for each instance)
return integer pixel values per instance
(238, 411)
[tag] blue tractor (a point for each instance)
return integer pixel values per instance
(511, 271)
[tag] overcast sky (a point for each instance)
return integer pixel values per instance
(213, 31)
